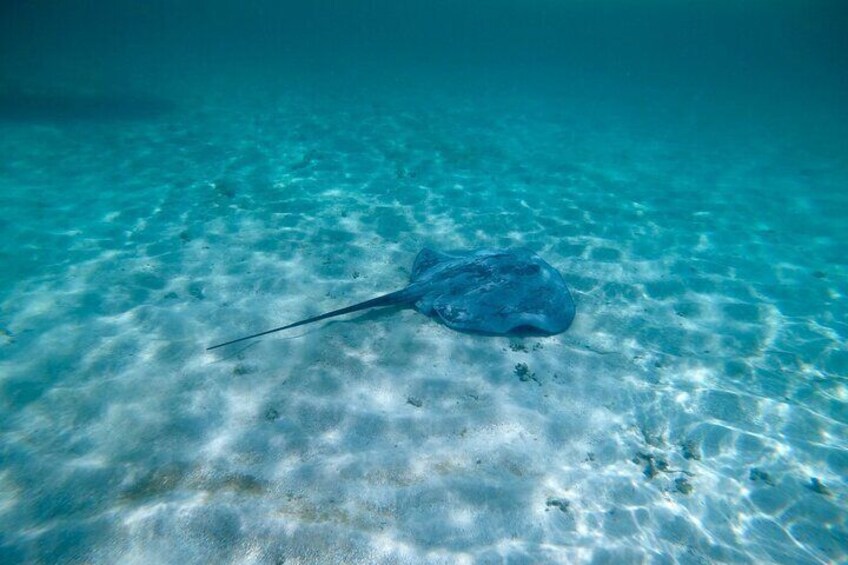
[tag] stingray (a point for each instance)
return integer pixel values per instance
(489, 292)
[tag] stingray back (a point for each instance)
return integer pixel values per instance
(492, 292)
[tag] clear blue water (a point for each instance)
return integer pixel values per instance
(175, 175)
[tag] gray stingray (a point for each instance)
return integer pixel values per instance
(491, 292)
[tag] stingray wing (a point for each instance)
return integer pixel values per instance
(497, 293)
(426, 260)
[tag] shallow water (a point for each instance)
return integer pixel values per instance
(695, 411)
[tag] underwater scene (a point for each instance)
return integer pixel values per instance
(605, 245)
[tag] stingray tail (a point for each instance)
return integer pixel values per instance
(393, 298)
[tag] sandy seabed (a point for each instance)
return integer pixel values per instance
(695, 412)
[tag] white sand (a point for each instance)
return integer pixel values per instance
(709, 341)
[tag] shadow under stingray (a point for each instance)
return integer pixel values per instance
(59, 107)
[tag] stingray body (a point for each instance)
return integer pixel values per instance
(491, 292)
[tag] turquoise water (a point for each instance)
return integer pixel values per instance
(173, 176)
